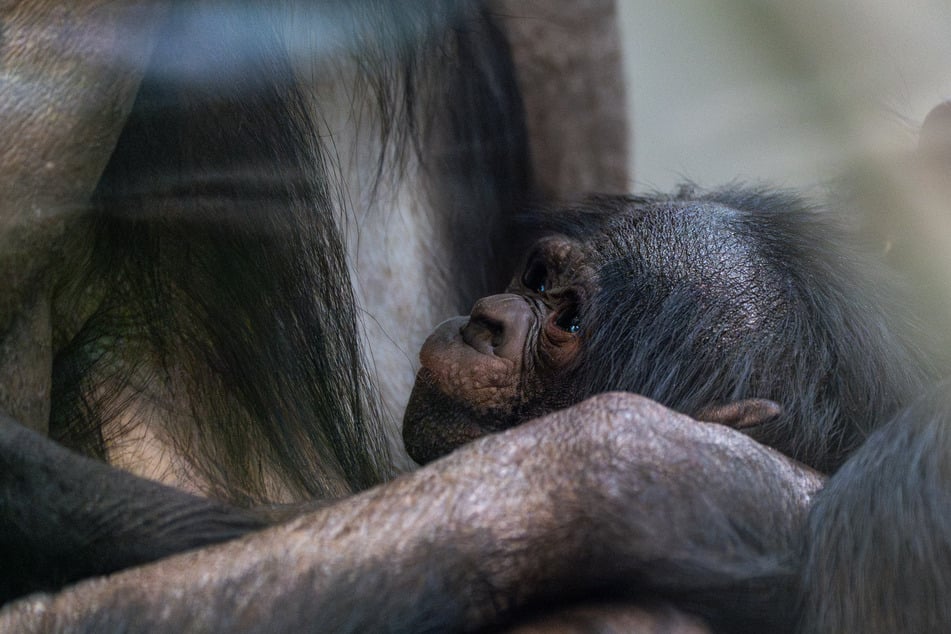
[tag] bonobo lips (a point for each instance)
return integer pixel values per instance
(468, 371)
(459, 387)
(434, 424)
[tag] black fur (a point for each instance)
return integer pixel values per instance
(878, 549)
(788, 309)
(711, 297)
(213, 231)
(216, 273)
(66, 517)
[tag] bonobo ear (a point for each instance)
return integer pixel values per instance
(740, 415)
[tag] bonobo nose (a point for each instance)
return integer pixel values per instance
(498, 325)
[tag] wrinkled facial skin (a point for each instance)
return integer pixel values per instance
(509, 361)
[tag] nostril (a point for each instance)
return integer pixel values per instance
(498, 325)
(481, 335)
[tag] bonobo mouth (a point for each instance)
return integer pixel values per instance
(460, 362)
(434, 424)
(458, 390)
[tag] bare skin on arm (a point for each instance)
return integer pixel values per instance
(500, 503)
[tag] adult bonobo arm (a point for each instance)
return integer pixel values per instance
(66, 517)
(617, 495)
(568, 60)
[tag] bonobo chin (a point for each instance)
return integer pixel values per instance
(715, 304)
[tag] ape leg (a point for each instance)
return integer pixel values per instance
(66, 517)
(878, 557)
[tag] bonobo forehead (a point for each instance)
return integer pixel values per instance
(696, 247)
(700, 247)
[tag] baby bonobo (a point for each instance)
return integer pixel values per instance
(737, 306)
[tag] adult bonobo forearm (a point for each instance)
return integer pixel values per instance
(617, 492)
(66, 517)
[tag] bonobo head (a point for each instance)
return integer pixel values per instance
(696, 301)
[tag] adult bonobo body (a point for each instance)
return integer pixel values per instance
(176, 214)
(189, 191)
(694, 300)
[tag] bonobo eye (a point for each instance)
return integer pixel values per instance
(569, 320)
(536, 276)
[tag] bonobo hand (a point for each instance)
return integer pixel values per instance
(615, 493)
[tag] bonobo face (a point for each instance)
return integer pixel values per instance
(509, 360)
(624, 290)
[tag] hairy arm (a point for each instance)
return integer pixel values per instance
(616, 493)
(65, 517)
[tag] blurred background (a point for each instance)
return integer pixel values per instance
(793, 92)
(826, 96)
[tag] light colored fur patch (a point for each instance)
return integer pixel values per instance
(391, 236)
